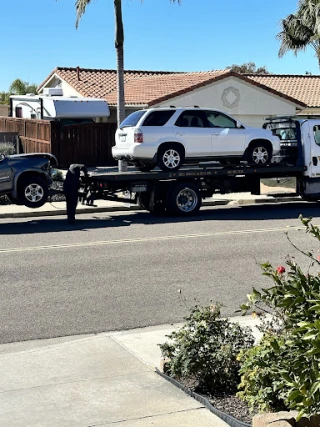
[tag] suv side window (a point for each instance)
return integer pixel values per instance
(192, 118)
(217, 119)
(158, 118)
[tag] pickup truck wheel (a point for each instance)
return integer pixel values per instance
(170, 157)
(33, 192)
(259, 154)
(183, 199)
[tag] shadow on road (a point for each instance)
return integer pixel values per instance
(103, 220)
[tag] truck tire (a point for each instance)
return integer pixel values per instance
(33, 192)
(170, 157)
(148, 202)
(259, 154)
(183, 199)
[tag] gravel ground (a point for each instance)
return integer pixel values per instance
(232, 405)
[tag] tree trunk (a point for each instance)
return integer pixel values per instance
(119, 41)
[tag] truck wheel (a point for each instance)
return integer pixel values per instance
(170, 157)
(259, 154)
(33, 192)
(183, 199)
(147, 201)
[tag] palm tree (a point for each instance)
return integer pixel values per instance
(301, 29)
(119, 41)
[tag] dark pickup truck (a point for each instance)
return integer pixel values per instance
(26, 178)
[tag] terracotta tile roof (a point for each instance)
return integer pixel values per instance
(157, 88)
(144, 88)
(305, 88)
(95, 83)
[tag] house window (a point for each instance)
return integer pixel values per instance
(18, 112)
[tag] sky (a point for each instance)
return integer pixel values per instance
(199, 35)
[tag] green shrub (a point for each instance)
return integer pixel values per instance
(294, 352)
(6, 148)
(204, 351)
(261, 385)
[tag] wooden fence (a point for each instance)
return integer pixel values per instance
(89, 144)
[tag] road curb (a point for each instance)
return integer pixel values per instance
(37, 213)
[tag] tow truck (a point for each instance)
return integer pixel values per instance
(182, 192)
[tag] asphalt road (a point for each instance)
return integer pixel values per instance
(126, 270)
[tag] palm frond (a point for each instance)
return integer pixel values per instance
(296, 34)
(81, 6)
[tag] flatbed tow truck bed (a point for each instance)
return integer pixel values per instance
(181, 192)
(263, 171)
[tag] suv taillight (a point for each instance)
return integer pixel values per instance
(138, 135)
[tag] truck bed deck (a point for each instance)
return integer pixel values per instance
(279, 170)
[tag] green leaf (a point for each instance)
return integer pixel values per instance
(293, 395)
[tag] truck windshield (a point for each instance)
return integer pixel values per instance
(286, 134)
(132, 119)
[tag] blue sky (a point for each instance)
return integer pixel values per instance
(199, 35)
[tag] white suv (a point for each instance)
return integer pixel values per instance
(170, 137)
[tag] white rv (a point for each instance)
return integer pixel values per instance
(52, 105)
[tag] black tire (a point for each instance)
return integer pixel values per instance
(146, 201)
(143, 200)
(170, 157)
(259, 154)
(33, 192)
(183, 199)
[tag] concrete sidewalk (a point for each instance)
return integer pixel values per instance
(96, 380)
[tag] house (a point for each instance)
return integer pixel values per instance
(249, 98)
(52, 105)
(305, 88)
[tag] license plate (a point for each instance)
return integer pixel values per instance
(123, 138)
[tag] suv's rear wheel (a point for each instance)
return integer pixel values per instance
(33, 192)
(259, 153)
(170, 157)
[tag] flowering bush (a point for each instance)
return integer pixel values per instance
(289, 353)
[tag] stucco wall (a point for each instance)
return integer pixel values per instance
(240, 99)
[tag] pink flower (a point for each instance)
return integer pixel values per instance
(281, 269)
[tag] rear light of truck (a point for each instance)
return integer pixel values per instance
(138, 135)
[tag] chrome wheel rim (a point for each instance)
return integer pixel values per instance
(260, 155)
(187, 200)
(171, 159)
(34, 193)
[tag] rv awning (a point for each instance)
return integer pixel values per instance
(79, 108)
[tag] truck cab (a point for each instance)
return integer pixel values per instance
(300, 145)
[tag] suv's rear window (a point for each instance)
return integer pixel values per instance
(132, 119)
(158, 118)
